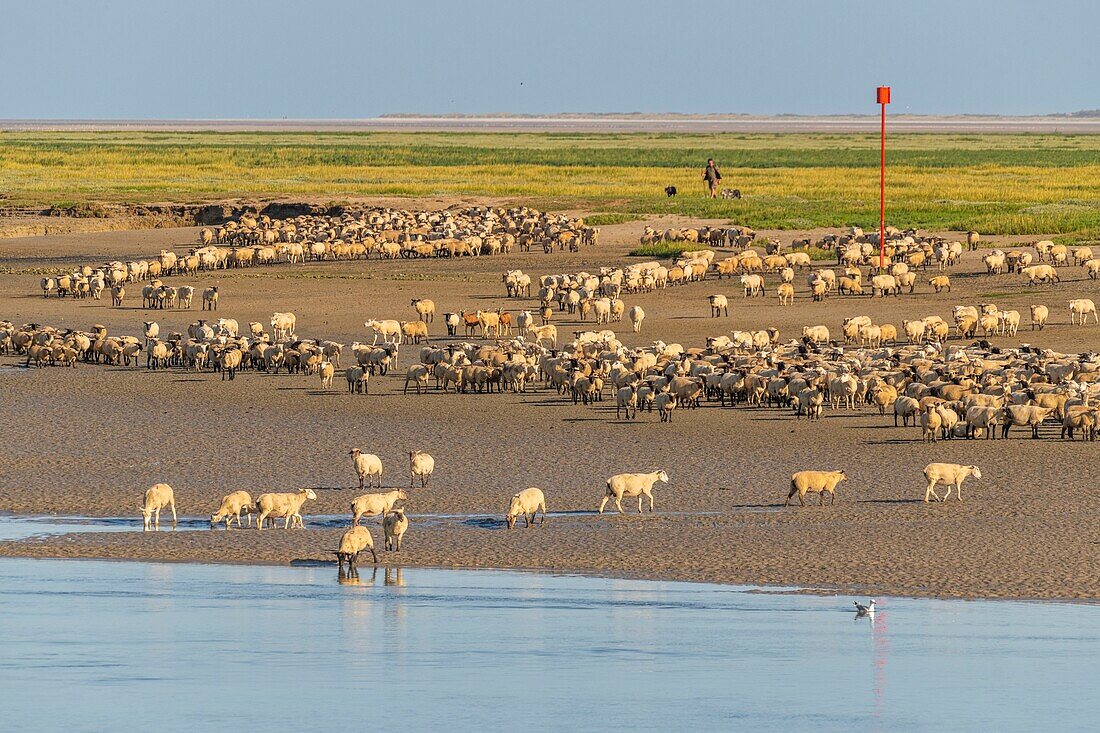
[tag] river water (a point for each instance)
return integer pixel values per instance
(111, 646)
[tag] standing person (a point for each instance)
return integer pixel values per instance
(712, 176)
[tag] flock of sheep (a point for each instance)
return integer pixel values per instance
(386, 233)
(529, 503)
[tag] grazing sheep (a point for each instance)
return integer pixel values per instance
(632, 484)
(939, 282)
(287, 505)
(394, 527)
(157, 497)
(951, 474)
(420, 464)
(371, 505)
(815, 482)
(1040, 274)
(233, 505)
(352, 542)
(366, 465)
(528, 503)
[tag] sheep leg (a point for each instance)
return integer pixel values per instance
(958, 490)
(947, 493)
(175, 522)
(619, 504)
(650, 495)
(603, 504)
(639, 503)
(543, 508)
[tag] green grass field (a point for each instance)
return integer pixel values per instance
(997, 184)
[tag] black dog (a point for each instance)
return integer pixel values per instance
(670, 191)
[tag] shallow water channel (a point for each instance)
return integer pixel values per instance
(95, 645)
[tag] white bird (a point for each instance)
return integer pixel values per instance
(865, 611)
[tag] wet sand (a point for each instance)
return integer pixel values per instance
(90, 440)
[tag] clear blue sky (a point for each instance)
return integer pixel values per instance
(361, 58)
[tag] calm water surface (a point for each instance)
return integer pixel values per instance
(109, 646)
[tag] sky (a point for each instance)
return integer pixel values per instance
(345, 59)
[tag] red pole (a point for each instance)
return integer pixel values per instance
(883, 98)
(882, 198)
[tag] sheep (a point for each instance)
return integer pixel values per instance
(1040, 273)
(326, 371)
(371, 505)
(950, 474)
(394, 527)
(452, 320)
(157, 497)
(352, 542)
(632, 484)
(1079, 310)
(1021, 415)
(931, 423)
(389, 331)
(626, 399)
(414, 331)
(232, 506)
(417, 374)
(118, 294)
(1039, 315)
(665, 403)
(366, 465)
(817, 482)
(420, 464)
(282, 325)
(816, 334)
(752, 285)
(636, 316)
(287, 505)
(528, 503)
(940, 282)
(786, 293)
(425, 309)
(718, 304)
(210, 298)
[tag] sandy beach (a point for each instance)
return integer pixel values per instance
(88, 441)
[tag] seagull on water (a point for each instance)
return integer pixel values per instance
(867, 611)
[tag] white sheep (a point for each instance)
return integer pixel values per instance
(394, 526)
(815, 482)
(352, 542)
(233, 505)
(528, 503)
(287, 505)
(420, 464)
(157, 497)
(636, 316)
(632, 484)
(371, 505)
(950, 474)
(366, 465)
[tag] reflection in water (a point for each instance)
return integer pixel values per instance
(394, 577)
